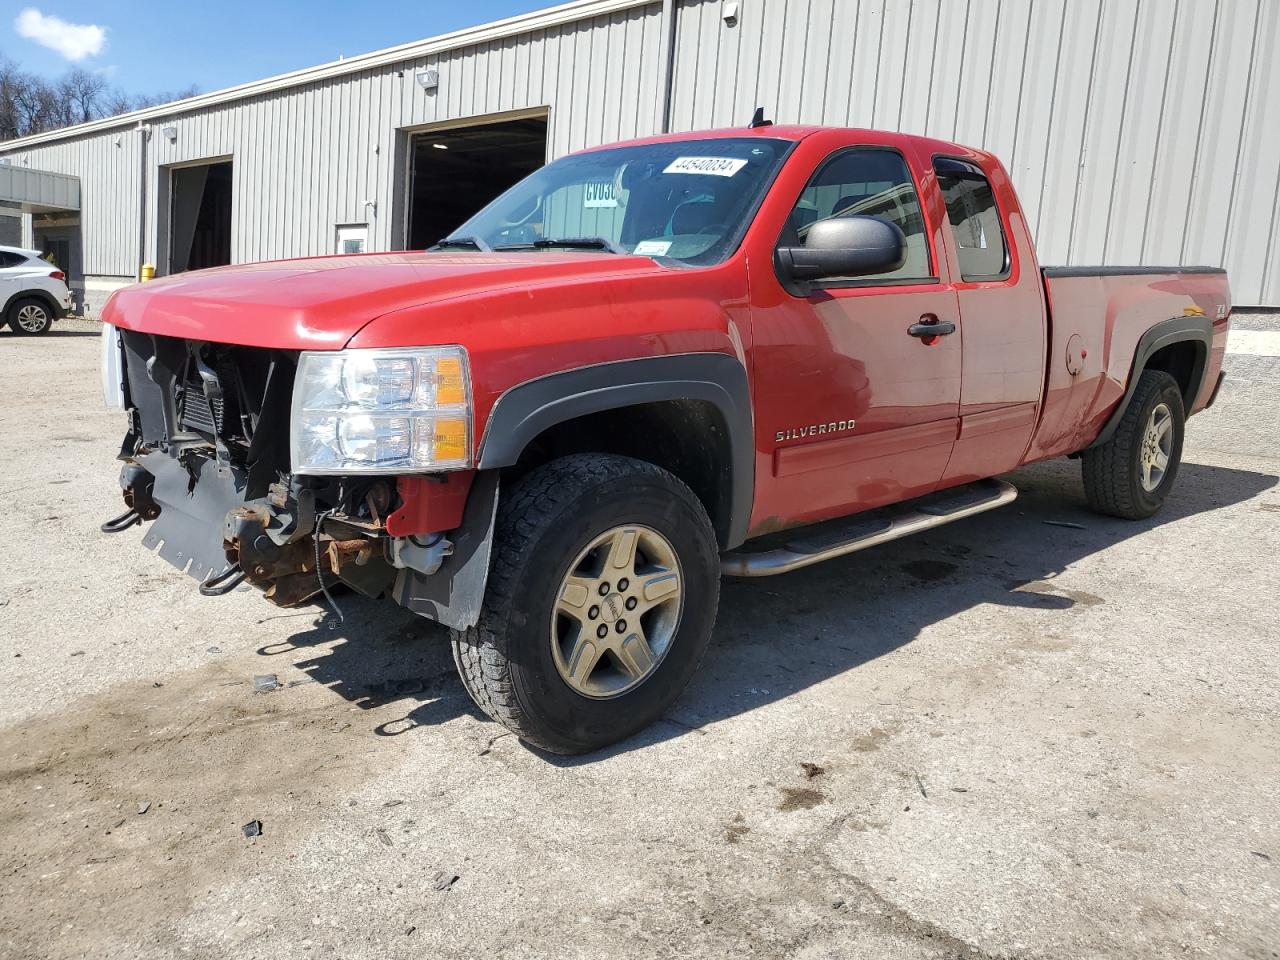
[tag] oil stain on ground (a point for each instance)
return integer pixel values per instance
(870, 741)
(928, 571)
(800, 798)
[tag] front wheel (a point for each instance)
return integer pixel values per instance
(1130, 475)
(602, 594)
(30, 315)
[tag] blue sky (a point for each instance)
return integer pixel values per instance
(148, 47)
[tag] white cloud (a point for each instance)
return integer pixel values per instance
(75, 41)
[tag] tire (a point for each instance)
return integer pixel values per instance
(1116, 481)
(30, 316)
(527, 662)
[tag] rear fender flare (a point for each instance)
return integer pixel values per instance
(525, 411)
(1197, 329)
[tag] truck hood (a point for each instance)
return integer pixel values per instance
(321, 303)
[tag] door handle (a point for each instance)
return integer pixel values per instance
(930, 328)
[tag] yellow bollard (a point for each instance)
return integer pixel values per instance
(148, 272)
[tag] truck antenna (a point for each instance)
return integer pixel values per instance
(759, 121)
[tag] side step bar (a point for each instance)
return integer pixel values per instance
(810, 545)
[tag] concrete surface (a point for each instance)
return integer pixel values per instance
(1004, 739)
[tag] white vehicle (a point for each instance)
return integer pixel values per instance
(33, 292)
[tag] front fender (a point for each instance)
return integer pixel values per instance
(525, 411)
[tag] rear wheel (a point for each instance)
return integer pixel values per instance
(601, 599)
(1130, 475)
(30, 315)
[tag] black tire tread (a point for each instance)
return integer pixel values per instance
(533, 505)
(1105, 468)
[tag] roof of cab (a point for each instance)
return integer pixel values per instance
(794, 132)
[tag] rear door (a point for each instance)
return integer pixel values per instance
(1002, 307)
(857, 411)
(10, 278)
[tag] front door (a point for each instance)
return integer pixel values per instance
(858, 411)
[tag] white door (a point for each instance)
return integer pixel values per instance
(353, 238)
(10, 277)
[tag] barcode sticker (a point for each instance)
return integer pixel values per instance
(706, 166)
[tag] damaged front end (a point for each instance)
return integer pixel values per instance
(209, 461)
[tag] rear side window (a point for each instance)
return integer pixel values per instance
(11, 259)
(974, 218)
(873, 183)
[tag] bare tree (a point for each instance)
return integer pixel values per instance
(154, 100)
(116, 102)
(31, 104)
(11, 82)
(84, 93)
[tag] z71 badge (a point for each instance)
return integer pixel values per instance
(813, 430)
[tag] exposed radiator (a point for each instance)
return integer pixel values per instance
(195, 411)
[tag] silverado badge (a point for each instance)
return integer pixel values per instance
(813, 430)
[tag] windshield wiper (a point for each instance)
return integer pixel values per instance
(545, 243)
(474, 242)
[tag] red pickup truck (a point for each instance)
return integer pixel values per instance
(644, 366)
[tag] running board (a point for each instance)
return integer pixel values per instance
(836, 538)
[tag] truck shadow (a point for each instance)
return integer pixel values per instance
(777, 636)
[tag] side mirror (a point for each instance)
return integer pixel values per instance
(854, 246)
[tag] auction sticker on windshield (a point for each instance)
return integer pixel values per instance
(652, 248)
(707, 166)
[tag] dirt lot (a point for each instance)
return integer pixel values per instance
(1010, 738)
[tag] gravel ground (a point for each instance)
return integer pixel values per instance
(1006, 738)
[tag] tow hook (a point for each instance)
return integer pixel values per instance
(223, 583)
(285, 571)
(137, 485)
(126, 520)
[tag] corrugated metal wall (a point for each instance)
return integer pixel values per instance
(109, 168)
(1136, 131)
(39, 188)
(307, 159)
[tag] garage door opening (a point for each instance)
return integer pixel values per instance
(200, 217)
(453, 173)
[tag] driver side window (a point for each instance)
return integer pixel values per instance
(868, 182)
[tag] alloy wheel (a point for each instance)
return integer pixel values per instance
(1157, 447)
(617, 612)
(32, 318)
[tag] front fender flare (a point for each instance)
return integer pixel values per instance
(525, 411)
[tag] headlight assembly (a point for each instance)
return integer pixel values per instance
(381, 411)
(112, 368)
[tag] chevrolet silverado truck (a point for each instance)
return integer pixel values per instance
(643, 367)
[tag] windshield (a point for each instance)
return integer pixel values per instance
(688, 200)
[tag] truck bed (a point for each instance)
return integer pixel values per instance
(1097, 315)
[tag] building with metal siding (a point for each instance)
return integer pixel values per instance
(1135, 130)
